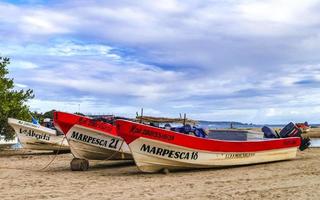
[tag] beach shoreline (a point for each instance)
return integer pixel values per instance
(22, 178)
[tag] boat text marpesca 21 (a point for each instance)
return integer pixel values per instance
(91, 139)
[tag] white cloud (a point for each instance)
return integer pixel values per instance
(67, 48)
(21, 64)
(38, 25)
(20, 85)
(60, 48)
(236, 60)
(87, 107)
(287, 12)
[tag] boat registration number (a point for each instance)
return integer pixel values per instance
(107, 142)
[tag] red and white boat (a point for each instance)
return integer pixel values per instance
(155, 149)
(90, 139)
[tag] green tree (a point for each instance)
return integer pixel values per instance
(79, 113)
(12, 102)
(41, 116)
(49, 114)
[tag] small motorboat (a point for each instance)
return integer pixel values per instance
(91, 139)
(7, 143)
(155, 149)
(36, 137)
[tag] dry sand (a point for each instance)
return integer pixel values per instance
(21, 178)
(313, 133)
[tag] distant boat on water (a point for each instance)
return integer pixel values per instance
(7, 143)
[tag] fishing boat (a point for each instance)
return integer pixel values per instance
(36, 137)
(155, 149)
(91, 139)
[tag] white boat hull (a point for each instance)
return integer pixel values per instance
(36, 137)
(153, 156)
(91, 144)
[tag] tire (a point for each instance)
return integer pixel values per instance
(78, 164)
(84, 165)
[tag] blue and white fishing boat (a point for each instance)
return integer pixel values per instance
(36, 137)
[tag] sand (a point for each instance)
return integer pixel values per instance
(21, 178)
(313, 133)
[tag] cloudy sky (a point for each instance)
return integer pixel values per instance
(248, 61)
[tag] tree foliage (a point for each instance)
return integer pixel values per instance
(79, 113)
(41, 116)
(12, 102)
(49, 114)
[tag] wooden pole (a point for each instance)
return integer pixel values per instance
(141, 115)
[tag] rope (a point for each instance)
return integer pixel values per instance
(57, 152)
(55, 156)
(113, 154)
(41, 169)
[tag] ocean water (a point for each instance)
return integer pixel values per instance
(241, 126)
(315, 142)
(224, 125)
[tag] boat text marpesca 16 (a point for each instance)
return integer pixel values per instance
(155, 149)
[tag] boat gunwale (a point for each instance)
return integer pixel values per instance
(206, 140)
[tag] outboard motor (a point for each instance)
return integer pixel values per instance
(291, 130)
(199, 132)
(269, 132)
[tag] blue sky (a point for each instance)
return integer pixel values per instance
(248, 61)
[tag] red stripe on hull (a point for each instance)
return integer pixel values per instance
(130, 131)
(65, 121)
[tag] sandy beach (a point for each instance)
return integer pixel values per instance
(21, 177)
(313, 133)
(162, 82)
